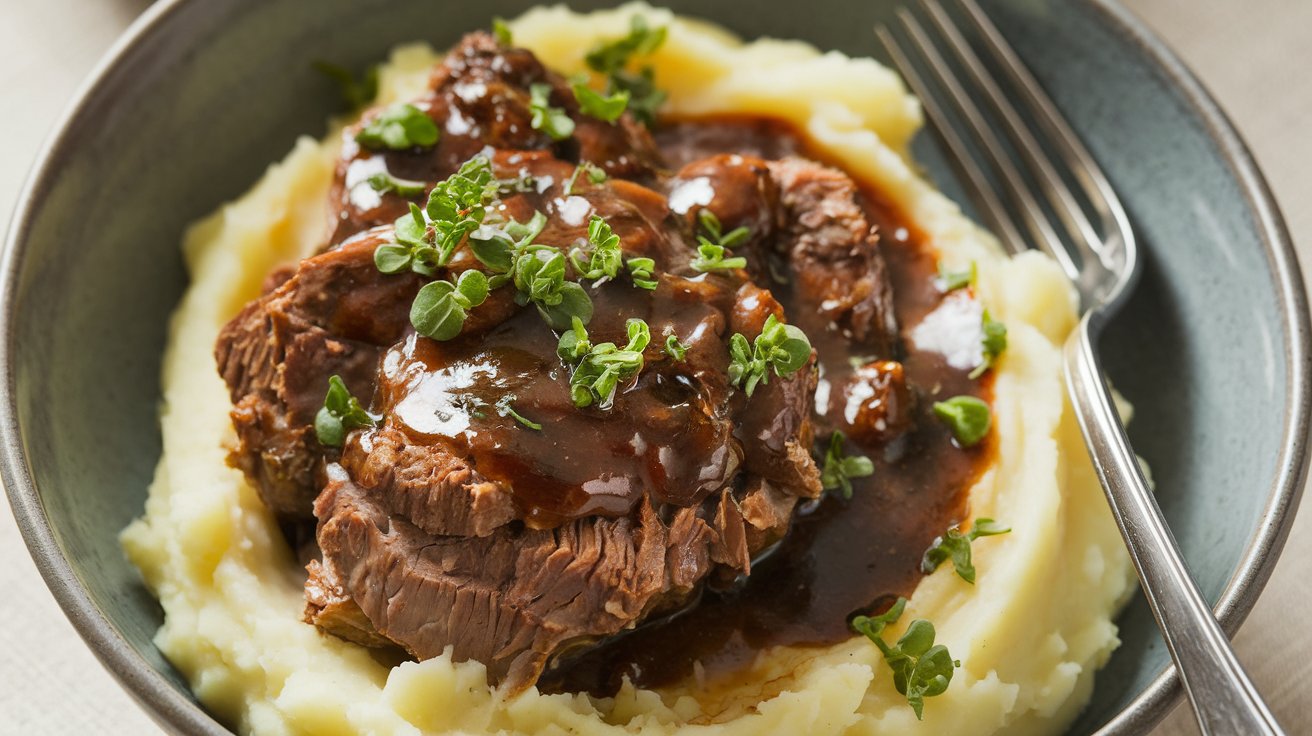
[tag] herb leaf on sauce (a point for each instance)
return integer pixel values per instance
(968, 417)
(955, 546)
(949, 280)
(994, 342)
(611, 59)
(501, 32)
(675, 348)
(606, 258)
(921, 669)
(839, 468)
(383, 182)
(553, 121)
(441, 307)
(780, 347)
(607, 108)
(713, 244)
(601, 370)
(573, 344)
(355, 93)
(399, 127)
(341, 412)
(595, 173)
(505, 409)
(539, 277)
(640, 271)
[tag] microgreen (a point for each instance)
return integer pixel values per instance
(994, 342)
(955, 546)
(952, 280)
(399, 127)
(608, 108)
(640, 271)
(505, 409)
(441, 307)
(341, 412)
(383, 182)
(611, 59)
(968, 417)
(355, 93)
(553, 121)
(713, 244)
(781, 347)
(921, 669)
(839, 468)
(501, 32)
(606, 258)
(604, 366)
(539, 276)
(573, 343)
(675, 348)
(595, 174)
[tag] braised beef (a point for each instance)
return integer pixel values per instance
(453, 523)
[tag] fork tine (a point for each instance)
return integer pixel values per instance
(1083, 235)
(976, 182)
(1037, 222)
(1078, 160)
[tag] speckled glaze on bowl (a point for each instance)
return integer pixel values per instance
(200, 95)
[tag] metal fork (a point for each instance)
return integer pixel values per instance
(1103, 264)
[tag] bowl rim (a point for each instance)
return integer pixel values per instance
(180, 714)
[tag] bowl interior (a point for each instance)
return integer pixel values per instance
(217, 90)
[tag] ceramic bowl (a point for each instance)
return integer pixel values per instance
(200, 96)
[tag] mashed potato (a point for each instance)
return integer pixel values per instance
(1029, 634)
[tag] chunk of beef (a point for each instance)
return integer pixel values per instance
(512, 599)
(833, 254)
(329, 607)
(332, 317)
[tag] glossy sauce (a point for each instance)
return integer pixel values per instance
(840, 557)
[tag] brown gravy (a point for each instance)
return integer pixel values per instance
(840, 557)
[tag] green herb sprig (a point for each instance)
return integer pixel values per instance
(955, 546)
(921, 668)
(553, 121)
(968, 417)
(952, 280)
(713, 244)
(341, 413)
(501, 32)
(440, 308)
(839, 468)
(640, 272)
(607, 108)
(399, 127)
(606, 258)
(994, 342)
(604, 366)
(675, 348)
(612, 58)
(383, 182)
(425, 239)
(595, 174)
(780, 347)
(505, 409)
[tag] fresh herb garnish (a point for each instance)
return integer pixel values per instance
(608, 108)
(539, 275)
(921, 668)
(595, 173)
(425, 239)
(603, 367)
(640, 271)
(781, 347)
(994, 342)
(506, 410)
(573, 344)
(399, 127)
(839, 468)
(498, 248)
(341, 412)
(611, 59)
(501, 32)
(383, 182)
(441, 307)
(606, 257)
(953, 280)
(553, 121)
(968, 417)
(955, 546)
(355, 93)
(713, 244)
(675, 348)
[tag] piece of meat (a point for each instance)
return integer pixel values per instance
(332, 317)
(514, 598)
(834, 263)
(329, 607)
(877, 403)
(740, 192)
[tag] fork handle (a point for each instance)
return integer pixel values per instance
(1223, 697)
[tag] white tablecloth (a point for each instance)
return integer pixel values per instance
(1254, 56)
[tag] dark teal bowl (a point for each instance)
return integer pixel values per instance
(199, 97)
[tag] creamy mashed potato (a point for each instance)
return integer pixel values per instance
(1030, 633)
